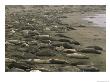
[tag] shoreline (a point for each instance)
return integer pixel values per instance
(90, 35)
(49, 21)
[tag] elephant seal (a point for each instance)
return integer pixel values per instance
(69, 69)
(16, 42)
(57, 61)
(71, 28)
(40, 70)
(34, 42)
(7, 43)
(35, 71)
(69, 50)
(6, 69)
(89, 50)
(65, 40)
(44, 37)
(64, 44)
(28, 33)
(16, 70)
(20, 65)
(77, 56)
(25, 33)
(36, 61)
(43, 45)
(34, 32)
(88, 68)
(47, 52)
(95, 47)
(57, 43)
(81, 62)
(68, 45)
(46, 41)
(8, 60)
(69, 41)
(61, 48)
(62, 35)
(39, 61)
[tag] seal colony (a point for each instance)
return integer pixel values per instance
(37, 41)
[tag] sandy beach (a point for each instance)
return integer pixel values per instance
(89, 35)
(62, 24)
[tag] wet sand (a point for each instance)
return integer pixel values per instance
(91, 34)
(97, 19)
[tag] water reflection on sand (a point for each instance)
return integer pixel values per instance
(97, 19)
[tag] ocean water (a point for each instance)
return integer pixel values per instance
(97, 20)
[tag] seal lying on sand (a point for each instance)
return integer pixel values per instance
(69, 50)
(81, 62)
(43, 45)
(90, 50)
(64, 44)
(44, 37)
(61, 48)
(57, 61)
(6, 69)
(71, 28)
(34, 42)
(8, 60)
(16, 42)
(88, 68)
(36, 61)
(68, 45)
(28, 33)
(62, 35)
(68, 69)
(16, 70)
(69, 41)
(95, 47)
(47, 52)
(20, 65)
(57, 43)
(46, 41)
(40, 70)
(35, 71)
(77, 56)
(48, 61)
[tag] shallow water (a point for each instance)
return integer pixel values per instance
(97, 20)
